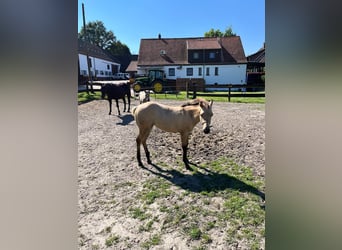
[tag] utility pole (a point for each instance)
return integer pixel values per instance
(85, 34)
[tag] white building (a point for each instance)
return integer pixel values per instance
(102, 66)
(218, 60)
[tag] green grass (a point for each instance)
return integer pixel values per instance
(220, 195)
(182, 96)
(138, 213)
(154, 189)
(113, 239)
(83, 97)
(154, 240)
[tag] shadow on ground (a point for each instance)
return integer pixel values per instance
(125, 119)
(208, 181)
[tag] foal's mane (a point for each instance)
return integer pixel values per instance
(195, 102)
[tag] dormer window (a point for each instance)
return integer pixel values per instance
(212, 55)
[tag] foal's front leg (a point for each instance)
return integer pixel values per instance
(184, 138)
(141, 139)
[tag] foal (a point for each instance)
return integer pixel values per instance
(180, 119)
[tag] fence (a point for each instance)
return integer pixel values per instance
(231, 89)
(194, 90)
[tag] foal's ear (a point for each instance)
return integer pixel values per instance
(211, 103)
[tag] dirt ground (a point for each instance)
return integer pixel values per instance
(110, 181)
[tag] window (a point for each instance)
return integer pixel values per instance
(196, 55)
(216, 71)
(207, 71)
(212, 55)
(172, 72)
(199, 71)
(189, 71)
(107, 66)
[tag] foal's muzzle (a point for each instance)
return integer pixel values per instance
(206, 130)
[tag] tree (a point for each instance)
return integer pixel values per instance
(229, 32)
(97, 34)
(217, 33)
(121, 52)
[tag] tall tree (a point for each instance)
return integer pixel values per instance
(97, 34)
(218, 33)
(121, 52)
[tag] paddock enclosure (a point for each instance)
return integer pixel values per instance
(114, 193)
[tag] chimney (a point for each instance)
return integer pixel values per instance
(159, 36)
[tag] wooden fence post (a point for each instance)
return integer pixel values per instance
(229, 88)
(194, 94)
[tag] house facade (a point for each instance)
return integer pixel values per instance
(102, 66)
(256, 67)
(218, 60)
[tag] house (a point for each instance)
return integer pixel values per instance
(256, 67)
(219, 60)
(132, 67)
(102, 65)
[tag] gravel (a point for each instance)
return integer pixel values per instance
(107, 162)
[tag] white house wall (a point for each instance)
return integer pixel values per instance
(227, 74)
(102, 68)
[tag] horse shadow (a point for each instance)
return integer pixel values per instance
(125, 119)
(205, 182)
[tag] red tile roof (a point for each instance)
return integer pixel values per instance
(174, 51)
(207, 43)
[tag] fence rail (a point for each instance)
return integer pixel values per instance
(192, 92)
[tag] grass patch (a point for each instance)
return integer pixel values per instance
(220, 195)
(153, 189)
(84, 97)
(194, 233)
(113, 239)
(154, 240)
(138, 213)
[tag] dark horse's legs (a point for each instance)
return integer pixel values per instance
(110, 106)
(124, 101)
(129, 101)
(117, 105)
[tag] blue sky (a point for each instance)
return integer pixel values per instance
(132, 20)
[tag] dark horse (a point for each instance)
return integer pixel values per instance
(117, 91)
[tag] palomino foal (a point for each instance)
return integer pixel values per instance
(175, 119)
